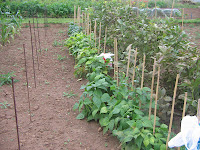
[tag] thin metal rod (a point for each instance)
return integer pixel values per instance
(27, 85)
(36, 45)
(32, 54)
(13, 89)
(38, 36)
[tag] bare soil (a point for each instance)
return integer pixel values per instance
(54, 125)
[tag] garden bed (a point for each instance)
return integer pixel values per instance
(54, 123)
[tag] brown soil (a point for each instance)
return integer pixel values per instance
(54, 125)
(192, 13)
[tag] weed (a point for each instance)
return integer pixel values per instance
(46, 49)
(60, 57)
(191, 25)
(57, 43)
(6, 78)
(4, 105)
(69, 95)
(46, 82)
(197, 36)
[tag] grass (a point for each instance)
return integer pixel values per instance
(189, 20)
(50, 20)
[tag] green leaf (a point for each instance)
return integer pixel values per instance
(104, 121)
(90, 118)
(139, 112)
(128, 138)
(94, 112)
(75, 106)
(138, 141)
(147, 123)
(105, 97)
(105, 129)
(97, 101)
(82, 60)
(163, 147)
(146, 142)
(103, 110)
(116, 110)
(131, 123)
(80, 116)
(111, 124)
(87, 101)
(152, 139)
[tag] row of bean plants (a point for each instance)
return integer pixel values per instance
(116, 108)
(162, 39)
(9, 26)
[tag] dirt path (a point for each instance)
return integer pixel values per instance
(54, 125)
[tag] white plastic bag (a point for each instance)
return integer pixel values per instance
(107, 56)
(189, 135)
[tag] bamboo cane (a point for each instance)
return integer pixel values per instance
(142, 80)
(114, 59)
(156, 100)
(155, 9)
(134, 67)
(184, 106)
(129, 55)
(88, 24)
(99, 37)
(138, 8)
(172, 9)
(105, 40)
(117, 62)
(74, 14)
(90, 30)
(82, 20)
(85, 23)
(172, 111)
(182, 18)
(198, 110)
(152, 84)
(95, 36)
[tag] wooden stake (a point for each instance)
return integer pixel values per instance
(27, 85)
(172, 111)
(134, 67)
(85, 23)
(74, 14)
(138, 8)
(142, 80)
(88, 24)
(95, 26)
(116, 61)
(90, 30)
(172, 9)
(78, 16)
(129, 55)
(32, 54)
(152, 84)
(82, 20)
(184, 106)
(99, 37)
(105, 40)
(198, 110)
(182, 18)
(15, 108)
(156, 100)
(155, 9)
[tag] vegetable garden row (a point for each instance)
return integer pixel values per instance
(123, 105)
